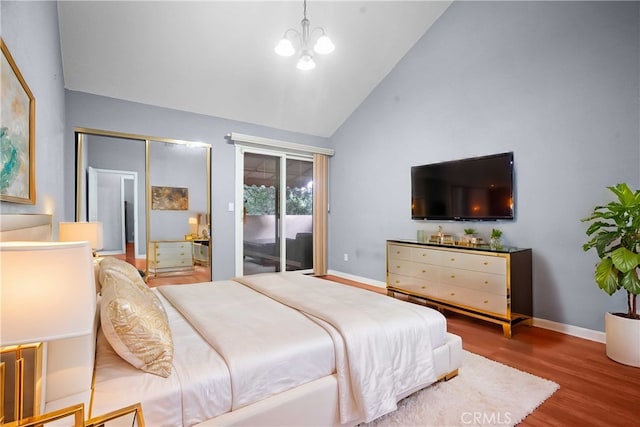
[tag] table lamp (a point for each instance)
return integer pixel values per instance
(46, 294)
(82, 231)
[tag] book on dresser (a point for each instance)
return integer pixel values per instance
(490, 284)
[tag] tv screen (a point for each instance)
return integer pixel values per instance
(479, 188)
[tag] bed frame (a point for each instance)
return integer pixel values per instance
(70, 363)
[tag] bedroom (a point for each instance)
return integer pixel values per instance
(556, 83)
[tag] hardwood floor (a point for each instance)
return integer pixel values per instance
(197, 275)
(594, 390)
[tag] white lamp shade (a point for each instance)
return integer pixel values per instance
(82, 232)
(285, 47)
(306, 62)
(47, 291)
(324, 45)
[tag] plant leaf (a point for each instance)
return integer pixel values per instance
(624, 260)
(606, 276)
(631, 282)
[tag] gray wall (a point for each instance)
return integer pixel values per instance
(30, 31)
(98, 112)
(556, 83)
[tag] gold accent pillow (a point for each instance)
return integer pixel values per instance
(136, 325)
(122, 269)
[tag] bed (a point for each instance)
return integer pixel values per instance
(269, 349)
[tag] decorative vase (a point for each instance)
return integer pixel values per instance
(495, 243)
(623, 339)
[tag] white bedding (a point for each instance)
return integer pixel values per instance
(268, 347)
(376, 332)
(201, 380)
(241, 326)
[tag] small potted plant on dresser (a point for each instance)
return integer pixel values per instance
(469, 237)
(615, 234)
(495, 242)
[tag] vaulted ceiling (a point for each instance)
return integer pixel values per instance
(217, 57)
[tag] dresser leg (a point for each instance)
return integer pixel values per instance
(506, 330)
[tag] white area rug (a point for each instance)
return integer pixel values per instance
(485, 393)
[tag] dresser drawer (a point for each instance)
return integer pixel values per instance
(426, 256)
(172, 247)
(399, 252)
(427, 289)
(173, 260)
(475, 262)
(400, 281)
(408, 268)
(483, 301)
(475, 280)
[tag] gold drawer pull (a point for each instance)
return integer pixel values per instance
(398, 252)
(486, 263)
(486, 301)
(424, 254)
(453, 259)
(453, 293)
(182, 253)
(453, 276)
(397, 266)
(424, 271)
(397, 281)
(486, 282)
(424, 287)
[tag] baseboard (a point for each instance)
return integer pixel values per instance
(576, 331)
(360, 279)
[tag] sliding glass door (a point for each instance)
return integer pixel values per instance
(277, 217)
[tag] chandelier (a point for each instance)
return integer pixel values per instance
(322, 46)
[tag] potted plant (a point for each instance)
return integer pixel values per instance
(469, 236)
(496, 239)
(615, 234)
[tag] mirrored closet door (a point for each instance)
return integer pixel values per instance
(153, 198)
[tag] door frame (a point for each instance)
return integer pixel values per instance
(239, 201)
(92, 204)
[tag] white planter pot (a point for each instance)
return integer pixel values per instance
(623, 339)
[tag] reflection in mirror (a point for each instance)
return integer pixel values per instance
(112, 188)
(179, 229)
(145, 203)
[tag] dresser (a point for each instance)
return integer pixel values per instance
(493, 285)
(170, 256)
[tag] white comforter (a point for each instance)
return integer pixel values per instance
(268, 348)
(234, 346)
(387, 348)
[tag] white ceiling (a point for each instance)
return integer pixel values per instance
(216, 57)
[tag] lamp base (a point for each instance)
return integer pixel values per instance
(21, 385)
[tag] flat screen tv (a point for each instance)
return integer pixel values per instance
(478, 188)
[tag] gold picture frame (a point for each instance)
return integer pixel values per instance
(17, 134)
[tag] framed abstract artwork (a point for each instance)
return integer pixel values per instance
(169, 198)
(17, 134)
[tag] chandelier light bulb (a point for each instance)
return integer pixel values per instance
(285, 47)
(324, 45)
(306, 62)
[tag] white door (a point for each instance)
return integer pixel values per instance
(106, 196)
